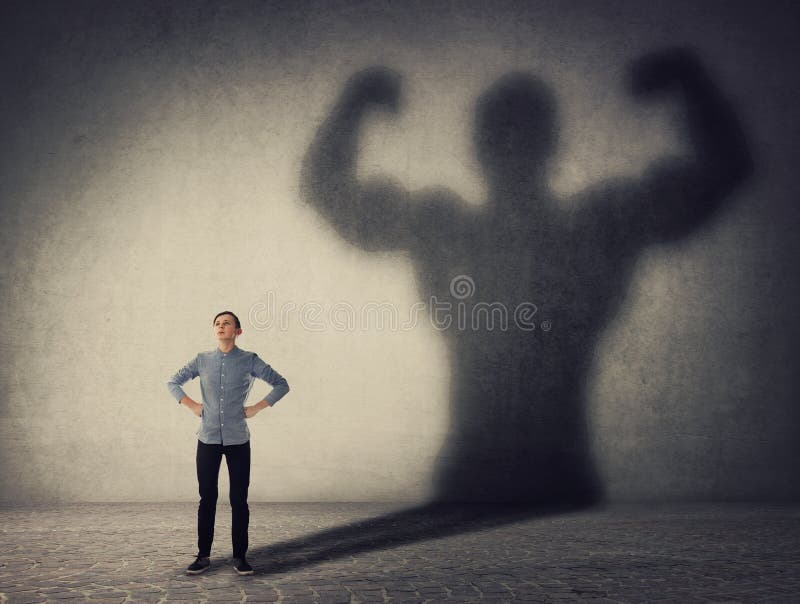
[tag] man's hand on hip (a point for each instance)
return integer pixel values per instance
(251, 410)
(196, 408)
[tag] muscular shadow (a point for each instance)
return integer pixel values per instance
(520, 288)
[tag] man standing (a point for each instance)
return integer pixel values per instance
(226, 376)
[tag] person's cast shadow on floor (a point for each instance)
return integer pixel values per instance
(530, 284)
(428, 521)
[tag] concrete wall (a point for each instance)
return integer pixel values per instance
(151, 166)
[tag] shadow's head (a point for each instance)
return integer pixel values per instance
(515, 129)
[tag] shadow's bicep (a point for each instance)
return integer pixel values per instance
(384, 216)
(671, 199)
(380, 215)
(674, 197)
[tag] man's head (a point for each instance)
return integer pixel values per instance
(515, 128)
(226, 326)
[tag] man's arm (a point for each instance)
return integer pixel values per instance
(374, 216)
(188, 372)
(677, 195)
(280, 387)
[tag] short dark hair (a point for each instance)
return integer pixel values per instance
(227, 312)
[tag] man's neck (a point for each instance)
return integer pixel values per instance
(226, 346)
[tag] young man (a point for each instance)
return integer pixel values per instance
(226, 376)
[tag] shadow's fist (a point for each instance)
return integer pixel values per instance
(375, 85)
(663, 70)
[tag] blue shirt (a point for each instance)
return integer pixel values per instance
(225, 382)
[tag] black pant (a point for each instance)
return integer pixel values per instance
(209, 458)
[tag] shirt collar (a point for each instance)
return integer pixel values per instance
(233, 350)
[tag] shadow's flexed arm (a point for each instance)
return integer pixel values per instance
(376, 215)
(677, 195)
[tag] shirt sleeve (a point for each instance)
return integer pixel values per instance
(264, 372)
(188, 372)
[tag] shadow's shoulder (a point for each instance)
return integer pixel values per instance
(617, 188)
(441, 201)
(601, 202)
(443, 213)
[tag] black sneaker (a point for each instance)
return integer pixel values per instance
(198, 566)
(242, 567)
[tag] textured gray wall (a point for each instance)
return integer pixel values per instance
(151, 177)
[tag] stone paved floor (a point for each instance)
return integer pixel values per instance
(330, 553)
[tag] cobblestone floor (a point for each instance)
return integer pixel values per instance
(329, 553)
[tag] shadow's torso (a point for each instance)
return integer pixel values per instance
(521, 341)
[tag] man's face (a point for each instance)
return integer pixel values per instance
(225, 328)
